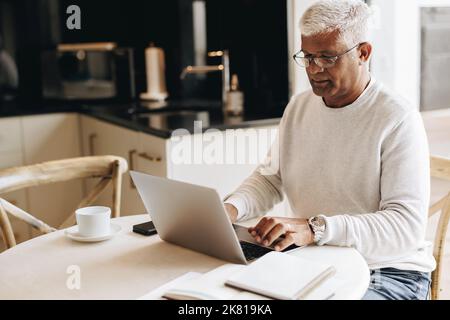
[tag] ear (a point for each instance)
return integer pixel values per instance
(365, 51)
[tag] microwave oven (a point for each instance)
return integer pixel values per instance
(88, 71)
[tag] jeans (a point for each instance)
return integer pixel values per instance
(395, 284)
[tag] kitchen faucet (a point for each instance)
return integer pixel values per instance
(224, 67)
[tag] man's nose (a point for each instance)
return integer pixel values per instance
(313, 68)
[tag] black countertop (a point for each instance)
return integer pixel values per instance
(159, 119)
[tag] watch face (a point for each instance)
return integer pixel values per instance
(318, 222)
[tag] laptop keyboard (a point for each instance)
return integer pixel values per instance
(253, 251)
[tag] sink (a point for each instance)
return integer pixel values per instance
(173, 119)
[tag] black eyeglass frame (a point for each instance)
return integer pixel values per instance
(307, 60)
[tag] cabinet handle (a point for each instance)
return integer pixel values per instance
(91, 138)
(145, 156)
(131, 165)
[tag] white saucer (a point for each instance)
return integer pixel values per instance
(73, 234)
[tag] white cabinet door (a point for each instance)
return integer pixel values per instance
(151, 158)
(89, 134)
(52, 137)
(89, 137)
(221, 160)
(101, 138)
(11, 155)
(10, 135)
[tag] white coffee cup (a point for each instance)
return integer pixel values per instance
(93, 221)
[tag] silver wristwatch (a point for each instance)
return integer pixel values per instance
(318, 227)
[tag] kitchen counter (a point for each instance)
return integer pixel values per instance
(15, 109)
(159, 119)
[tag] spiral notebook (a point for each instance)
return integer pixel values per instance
(281, 276)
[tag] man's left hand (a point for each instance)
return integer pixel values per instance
(295, 231)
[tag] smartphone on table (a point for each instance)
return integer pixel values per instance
(146, 228)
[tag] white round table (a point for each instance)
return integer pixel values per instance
(130, 265)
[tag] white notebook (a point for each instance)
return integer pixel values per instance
(157, 294)
(281, 276)
(209, 286)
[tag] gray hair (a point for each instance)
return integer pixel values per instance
(351, 18)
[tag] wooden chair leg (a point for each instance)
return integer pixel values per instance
(439, 248)
(5, 226)
(117, 189)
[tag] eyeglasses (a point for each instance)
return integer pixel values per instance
(321, 61)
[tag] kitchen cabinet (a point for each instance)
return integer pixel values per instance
(11, 154)
(158, 156)
(152, 155)
(33, 139)
(10, 135)
(101, 138)
(144, 152)
(28, 140)
(45, 138)
(221, 160)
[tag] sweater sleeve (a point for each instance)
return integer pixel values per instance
(263, 189)
(400, 224)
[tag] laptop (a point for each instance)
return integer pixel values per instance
(194, 217)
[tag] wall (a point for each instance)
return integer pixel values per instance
(396, 59)
(297, 76)
(396, 42)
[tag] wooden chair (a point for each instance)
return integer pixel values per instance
(108, 168)
(440, 168)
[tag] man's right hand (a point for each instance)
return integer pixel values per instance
(232, 212)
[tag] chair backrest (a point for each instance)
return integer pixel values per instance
(440, 168)
(108, 168)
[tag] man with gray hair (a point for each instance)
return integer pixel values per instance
(352, 159)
